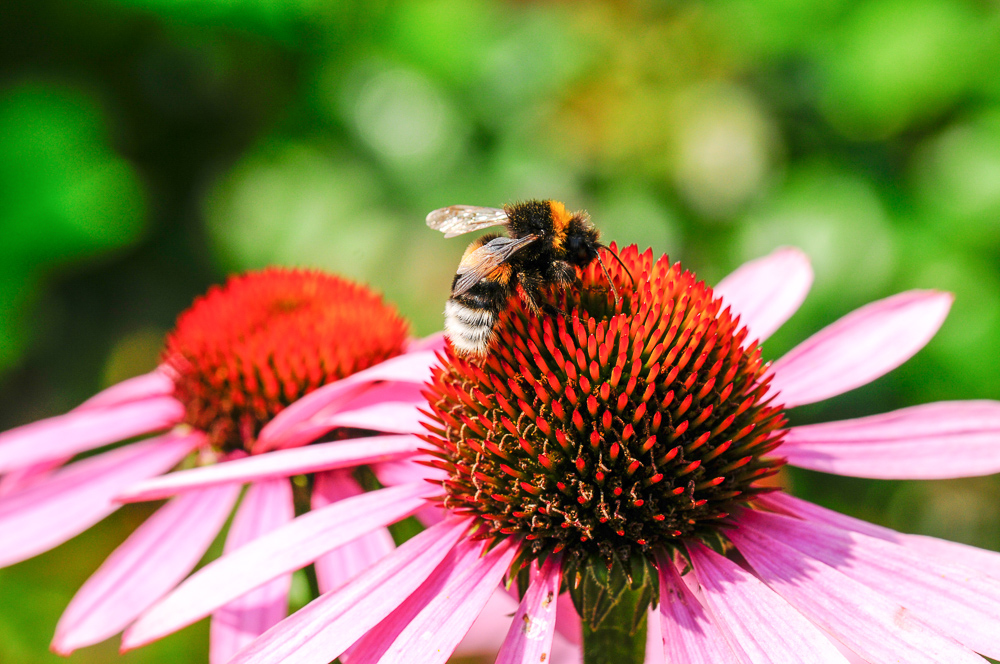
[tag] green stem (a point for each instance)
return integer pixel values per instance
(611, 643)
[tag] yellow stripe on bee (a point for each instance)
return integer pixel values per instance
(502, 273)
(560, 223)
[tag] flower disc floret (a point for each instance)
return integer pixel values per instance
(616, 428)
(246, 350)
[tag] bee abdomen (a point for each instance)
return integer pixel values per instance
(470, 329)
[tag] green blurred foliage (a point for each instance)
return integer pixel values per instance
(150, 147)
(65, 195)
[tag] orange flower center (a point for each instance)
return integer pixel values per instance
(246, 350)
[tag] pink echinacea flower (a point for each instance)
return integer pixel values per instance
(637, 433)
(253, 372)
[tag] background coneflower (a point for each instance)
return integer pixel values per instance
(269, 362)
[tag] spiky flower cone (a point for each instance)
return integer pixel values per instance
(618, 429)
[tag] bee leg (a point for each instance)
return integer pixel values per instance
(531, 294)
(561, 273)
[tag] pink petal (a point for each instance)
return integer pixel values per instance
(873, 626)
(320, 632)
(405, 471)
(281, 463)
(957, 600)
(766, 292)
(389, 417)
(145, 567)
(408, 368)
(373, 645)
(427, 627)
(484, 638)
(981, 560)
(79, 431)
(568, 620)
(281, 551)
(154, 384)
(859, 347)
(376, 393)
(336, 568)
(529, 638)
(266, 507)
(690, 636)
(755, 619)
(987, 562)
(933, 441)
(434, 342)
(564, 652)
(22, 478)
(70, 501)
(654, 639)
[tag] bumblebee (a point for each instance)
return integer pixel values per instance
(544, 246)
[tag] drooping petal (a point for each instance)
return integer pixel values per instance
(22, 478)
(529, 638)
(767, 291)
(564, 652)
(490, 627)
(281, 463)
(321, 631)
(81, 430)
(987, 562)
(339, 566)
(933, 441)
(266, 506)
(389, 417)
(154, 384)
(409, 368)
(428, 626)
(690, 635)
(568, 620)
(859, 347)
(405, 471)
(958, 601)
(145, 567)
(755, 619)
(394, 392)
(281, 551)
(372, 647)
(654, 639)
(71, 500)
(872, 625)
(433, 342)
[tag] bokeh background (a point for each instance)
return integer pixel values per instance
(150, 147)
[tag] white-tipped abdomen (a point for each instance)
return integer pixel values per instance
(469, 330)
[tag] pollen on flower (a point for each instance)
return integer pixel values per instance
(621, 427)
(246, 350)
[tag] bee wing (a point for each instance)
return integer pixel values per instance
(459, 219)
(481, 262)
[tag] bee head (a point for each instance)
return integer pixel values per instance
(581, 242)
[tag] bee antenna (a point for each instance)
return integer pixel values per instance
(608, 276)
(615, 256)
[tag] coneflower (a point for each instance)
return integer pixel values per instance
(615, 456)
(252, 372)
